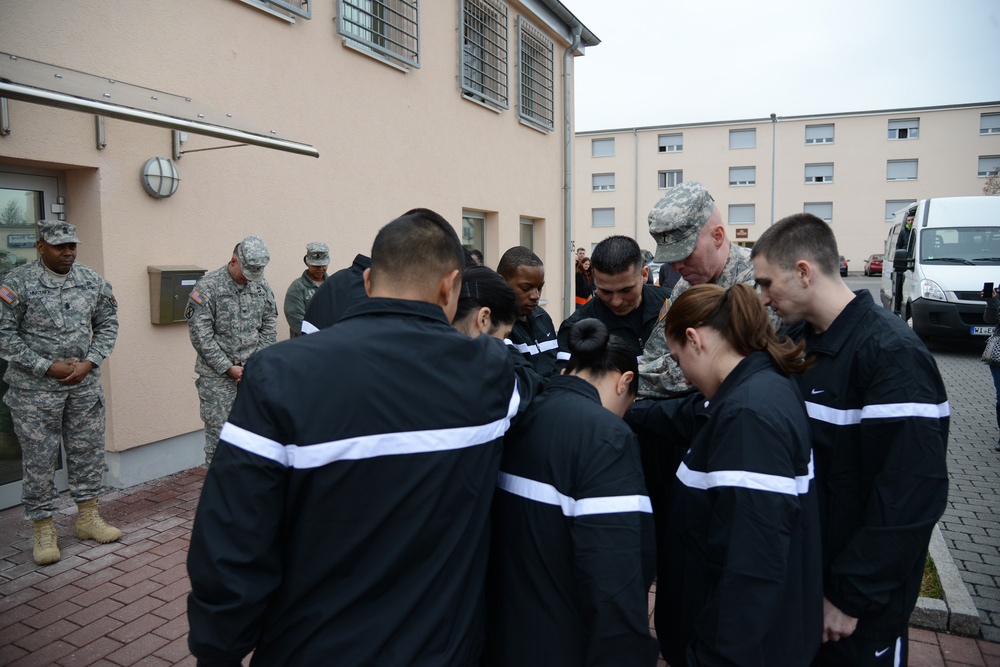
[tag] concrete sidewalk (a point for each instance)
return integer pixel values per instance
(124, 604)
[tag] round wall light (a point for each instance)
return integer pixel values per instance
(159, 177)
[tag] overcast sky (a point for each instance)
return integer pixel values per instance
(667, 61)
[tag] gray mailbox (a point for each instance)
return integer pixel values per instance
(169, 288)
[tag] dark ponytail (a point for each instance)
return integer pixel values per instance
(739, 316)
(594, 350)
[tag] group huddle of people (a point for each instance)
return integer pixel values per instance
(472, 486)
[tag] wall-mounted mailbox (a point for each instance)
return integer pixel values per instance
(169, 288)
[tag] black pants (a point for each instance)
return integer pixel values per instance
(856, 651)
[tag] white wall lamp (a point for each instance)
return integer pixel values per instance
(159, 177)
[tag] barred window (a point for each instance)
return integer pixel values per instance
(537, 76)
(484, 51)
(387, 29)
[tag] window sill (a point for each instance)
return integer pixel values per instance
(470, 97)
(268, 10)
(354, 46)
(537, 127)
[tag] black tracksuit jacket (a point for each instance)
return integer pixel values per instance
(573, 544)
(742, 581)
(653, 298)
(345, 517)
(535, 338)
(879, 417)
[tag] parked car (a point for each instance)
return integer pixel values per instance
(873, 265)
(843, 266)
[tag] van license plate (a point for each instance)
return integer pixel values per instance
(981, 331)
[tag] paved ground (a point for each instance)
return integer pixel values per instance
(123, 604)
(971, 524)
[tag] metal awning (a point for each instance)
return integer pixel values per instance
(40, 83)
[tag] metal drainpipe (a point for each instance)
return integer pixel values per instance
(570, 273)
(635, 189)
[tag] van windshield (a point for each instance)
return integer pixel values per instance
(973, 246)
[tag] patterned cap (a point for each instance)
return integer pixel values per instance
(678, 218)
(253, 257)
(317, 254)
(57, 232)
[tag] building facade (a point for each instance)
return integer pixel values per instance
(851, 169)
(406, 104)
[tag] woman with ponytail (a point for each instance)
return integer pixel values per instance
(743, 584)
(573, 556)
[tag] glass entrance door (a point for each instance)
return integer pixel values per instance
(24, 199)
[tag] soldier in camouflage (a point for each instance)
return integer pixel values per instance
(59, 322)
(690, 236)
(302, 289)
(231, 314)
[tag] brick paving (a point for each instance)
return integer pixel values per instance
(124, 604)
(971, 523)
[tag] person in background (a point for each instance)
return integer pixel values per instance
(59, 322)
(231, 313)
(742, 577)
(533, 334)
(584, 282)
(350, 525)
(991, 353)
(879, 418)
(668, 276)
(486, 304)
(477, 255)
(580, 254)
(572, 555)
(302, 289)
(339, 291)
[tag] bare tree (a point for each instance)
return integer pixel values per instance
(992, 185)
(12, 214)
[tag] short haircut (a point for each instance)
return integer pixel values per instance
(418, 247)
(799, 236)
(515, 257)
(617, 254)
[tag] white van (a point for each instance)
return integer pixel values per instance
(954, 249)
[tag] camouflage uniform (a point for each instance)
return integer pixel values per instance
(47, 319)
(297, 298)
(302, 289)
(659, 375)
(676, 222)
(227, 323)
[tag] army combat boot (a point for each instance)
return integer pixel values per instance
(90, 525)
(46, 542)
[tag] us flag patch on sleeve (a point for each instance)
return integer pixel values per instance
(197, 297)
(7, 294)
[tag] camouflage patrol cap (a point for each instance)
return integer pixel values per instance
(317, 254)
(253, 257)
(678, 218)
(57, 232)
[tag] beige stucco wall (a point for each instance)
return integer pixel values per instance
(947, 151)
(388, 141)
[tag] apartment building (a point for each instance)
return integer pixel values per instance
(851, 169)
(168, 131)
